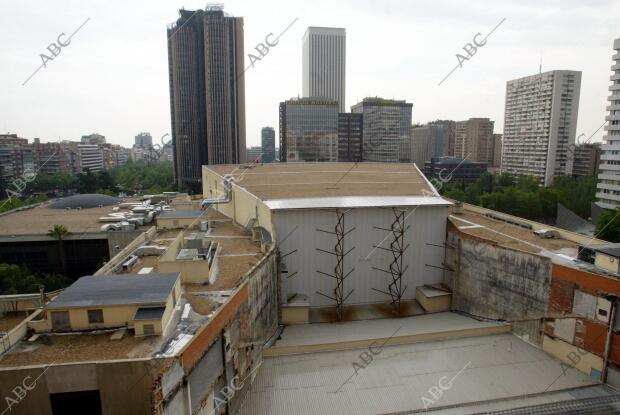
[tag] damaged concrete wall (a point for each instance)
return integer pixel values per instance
(222, 357)
(495, 282)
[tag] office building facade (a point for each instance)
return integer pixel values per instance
(309, 130)
(454, 168)
(540, 121)
(387, 129)
(324, 64)
(428, 141)
(608, 188)
(268, 144)
(350, 137)
(207, 92)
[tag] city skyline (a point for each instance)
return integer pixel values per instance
(133, 97)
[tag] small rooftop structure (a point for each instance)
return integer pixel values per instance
(141, 289)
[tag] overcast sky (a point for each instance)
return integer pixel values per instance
(113, 76)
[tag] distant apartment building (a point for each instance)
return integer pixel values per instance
(586, 159)
(497, 150)
(309, 130)
(428, 141)
(207, 92)
(350, 136)
(12, 139)
(608, 188)
(114, 155)
(324, 64)
(268, 144)
(454, 168)
(93, 139)
(16, 157)
(539, 124)
(144, 140)
(253, 154)
(56, 157)
(448, 135)
(474, 140)
(387, 129)
(91, 157)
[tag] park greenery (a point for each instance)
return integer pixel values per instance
(523, 196)
(15, 279)
(131, 178)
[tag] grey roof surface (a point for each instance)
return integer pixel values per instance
(102, 290)
(85, 201)
(592, 406)
(182, 214)
(149, 313)
(476, 370)
(609, 249)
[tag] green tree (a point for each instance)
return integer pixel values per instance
(19, 280)
(59, 232)
(608, 226)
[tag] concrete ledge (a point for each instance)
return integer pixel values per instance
(409, 339)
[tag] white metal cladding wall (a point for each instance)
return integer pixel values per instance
(297, 230)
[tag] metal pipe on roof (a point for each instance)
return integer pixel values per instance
(228, 179)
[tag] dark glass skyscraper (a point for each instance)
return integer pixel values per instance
(268, 144)
(207, 92)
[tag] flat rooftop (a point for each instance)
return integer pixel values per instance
(480, 369)
(272, 181)
(508, 235)
(39, 220)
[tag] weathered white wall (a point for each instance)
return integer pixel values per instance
(297, 229)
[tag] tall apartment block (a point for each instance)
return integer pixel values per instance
(428, 141)
(387, 129)
(608, 188)
(540, 121)
(309, 130)
(586, 159)
(323, 64)
(268, 144)
(474, 140)
(350, 137)
(207, 92)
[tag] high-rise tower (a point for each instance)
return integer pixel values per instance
(324, 64)
(207, 92)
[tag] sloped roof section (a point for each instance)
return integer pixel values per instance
(124, 289)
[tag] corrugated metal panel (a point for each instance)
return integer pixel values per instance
(356, 202)
(298, 240)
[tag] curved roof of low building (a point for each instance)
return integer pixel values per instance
(84, 201)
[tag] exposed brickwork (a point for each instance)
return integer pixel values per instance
(560, 298)
(592, 338)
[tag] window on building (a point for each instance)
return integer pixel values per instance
(95, 316)
(149, 329)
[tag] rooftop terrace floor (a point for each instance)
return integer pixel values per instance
(472, 370)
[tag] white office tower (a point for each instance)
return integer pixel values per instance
(608, 188)
(540, 122)
(324, 63)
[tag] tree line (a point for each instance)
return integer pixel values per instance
(131, 178)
